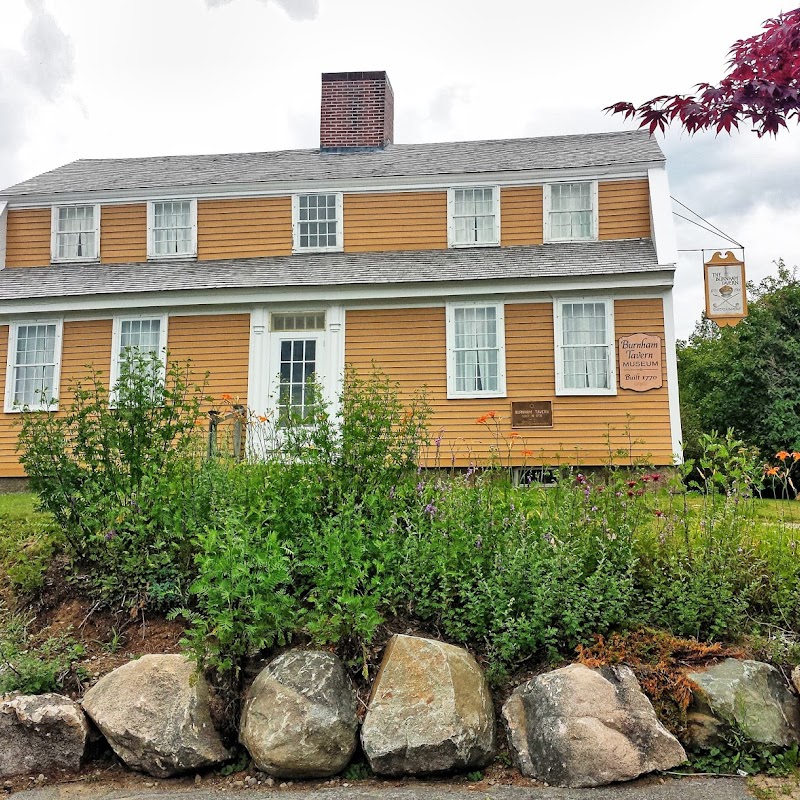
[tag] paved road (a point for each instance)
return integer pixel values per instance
(678, 789)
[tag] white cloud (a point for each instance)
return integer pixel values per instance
(42, 69)
(296, 9)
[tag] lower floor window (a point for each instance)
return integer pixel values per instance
(584, 339)
(33, 365)
(138, 341)
(475, 350)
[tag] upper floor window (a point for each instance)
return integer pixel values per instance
(171, 228)
(473, 216)
(34, 355)
(76, 233)
(570, 211)
(317, 221)
(584, 334)
(475, 350)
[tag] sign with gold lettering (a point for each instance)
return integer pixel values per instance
(726, 292)
(640, 362)
(532, 414)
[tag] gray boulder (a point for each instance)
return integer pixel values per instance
(796, 679)
(578, 727)
(155, 714)
(41, 733)
(749, 696)
(430, 710)
(300, 716)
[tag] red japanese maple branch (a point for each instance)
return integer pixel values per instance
(762, 87)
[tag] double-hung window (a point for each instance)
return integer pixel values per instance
(34, 356)
(75, 233)
(570, 211)
(584, 333)
(317, 221)
(172, 229)
(473, 216)
(475, 350)
(138, 341)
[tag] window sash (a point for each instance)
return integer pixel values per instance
(172, 228)
(318, 222)
(75, 233)
(585, 346)
(476, 350)
(474, 213)
(34, 366)
(571, 211)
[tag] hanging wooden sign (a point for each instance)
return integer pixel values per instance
(726, 292)
(640, 362)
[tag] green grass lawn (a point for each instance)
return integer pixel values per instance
(19, 505)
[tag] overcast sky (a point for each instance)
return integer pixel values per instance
(97, 78)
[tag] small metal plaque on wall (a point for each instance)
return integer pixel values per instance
(532, 414)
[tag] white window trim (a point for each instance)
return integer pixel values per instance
(151, 253)
(116, 332)
(562, 390)
(451, 226)
(452, 393)
(593, 192)
(13, 328)
(54, 233)
(296, 224)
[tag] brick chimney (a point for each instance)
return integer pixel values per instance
(357, 111)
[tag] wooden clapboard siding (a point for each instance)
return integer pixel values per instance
(85, 345)
(409, 344)
(244, 228)
(396, 221)
(216, 343)
(623, 209)
(28, 237)
(520, 215)
(123, 233)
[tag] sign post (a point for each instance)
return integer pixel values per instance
(726, 291)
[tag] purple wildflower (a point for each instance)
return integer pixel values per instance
(431, 510)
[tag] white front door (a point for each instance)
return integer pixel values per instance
(296, 372)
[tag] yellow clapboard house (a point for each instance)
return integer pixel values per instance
(503, 276)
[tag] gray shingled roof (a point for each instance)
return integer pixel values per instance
(396, 160)
(333, 269)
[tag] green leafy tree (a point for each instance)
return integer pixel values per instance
(747, 377)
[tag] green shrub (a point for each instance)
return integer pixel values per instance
(117, 471)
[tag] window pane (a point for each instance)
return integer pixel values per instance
(474, 216)
(570, 212)
(34, 364)
(76, 235)
(585, 346)
(172, 228)
(317, 221)
(476, 346)
(297, 368)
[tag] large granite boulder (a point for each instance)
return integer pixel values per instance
(155, 714)
(578, 727)
(748, 696)
(300, 716)
(41, 733)
(796, 679)
(430, 710)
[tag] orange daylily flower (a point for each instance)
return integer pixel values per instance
(782, 455)
(796, 455)
(227, 397)
(527, 452)
(262, 418)
(772, 471)
(491, 414)
(482, 419)
(513, 435)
